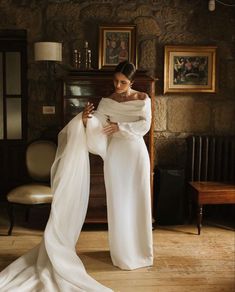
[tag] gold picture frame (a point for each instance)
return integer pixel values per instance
(117, 43)
(190, 69)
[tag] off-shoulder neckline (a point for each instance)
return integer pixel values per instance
(131, 100)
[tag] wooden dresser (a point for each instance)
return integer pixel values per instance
(81, 87)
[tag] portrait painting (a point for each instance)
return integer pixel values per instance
(116, 44)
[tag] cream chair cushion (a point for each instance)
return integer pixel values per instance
(39, 158)
(30, 194)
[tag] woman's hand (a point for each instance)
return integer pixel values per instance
(111, 128)
(87, 112)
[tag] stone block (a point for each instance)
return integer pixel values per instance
(29, 19)
(224, 115)
(187, 114)
(127, 12)
(160, 114)
(64, 23)
(97, 11)
(147, 26)
(170, 153)
(148, 54)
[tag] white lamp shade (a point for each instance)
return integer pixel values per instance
(48, 51)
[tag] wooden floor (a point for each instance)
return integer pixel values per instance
(184, 261)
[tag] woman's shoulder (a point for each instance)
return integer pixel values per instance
(138, 95)
(142, 95)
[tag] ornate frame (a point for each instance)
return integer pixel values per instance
(190, 69)
(117, 43)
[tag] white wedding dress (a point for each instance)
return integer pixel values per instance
(53, 265)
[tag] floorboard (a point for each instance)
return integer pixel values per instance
(184, 261)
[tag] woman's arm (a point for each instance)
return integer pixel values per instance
(140, 127)
(96, 139)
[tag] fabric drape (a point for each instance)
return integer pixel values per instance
(53, 265)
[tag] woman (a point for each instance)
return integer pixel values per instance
(124, 118)
(127, 170)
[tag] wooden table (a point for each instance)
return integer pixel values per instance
(209, 193)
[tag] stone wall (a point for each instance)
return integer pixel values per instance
(159, 23)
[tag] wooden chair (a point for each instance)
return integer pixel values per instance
(39, 158)
(211, 169)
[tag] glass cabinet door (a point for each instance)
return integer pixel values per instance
(78, 93)
(13, 104)
(1, 99)
(76, 96)
(10, 96)
(79, 88)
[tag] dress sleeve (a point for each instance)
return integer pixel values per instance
(140, 127)
(100, 115)
(97, 141)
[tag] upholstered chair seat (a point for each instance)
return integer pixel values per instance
(30, 194)
(40, 155)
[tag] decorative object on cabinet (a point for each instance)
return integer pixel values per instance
(76, 62)
(117, 43)
(190, 69)
(50, 53)
(81, 87)
(86, 57)
(82, 59)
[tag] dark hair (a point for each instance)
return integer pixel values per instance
(126, 68)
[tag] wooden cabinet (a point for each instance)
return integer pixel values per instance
(81, 87)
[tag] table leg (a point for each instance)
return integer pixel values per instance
(190, 210)
(199, 219)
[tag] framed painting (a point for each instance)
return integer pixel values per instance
(190, 69)
(116, 44)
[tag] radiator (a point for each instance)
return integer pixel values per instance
(211, 158)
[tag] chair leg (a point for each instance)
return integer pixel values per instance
(199, 219)
(27, 213)
(11, 217)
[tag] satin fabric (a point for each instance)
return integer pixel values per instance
(53, 265)
(127, 182)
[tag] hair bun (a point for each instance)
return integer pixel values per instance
(126, 68)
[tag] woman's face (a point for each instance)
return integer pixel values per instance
(121, 83)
